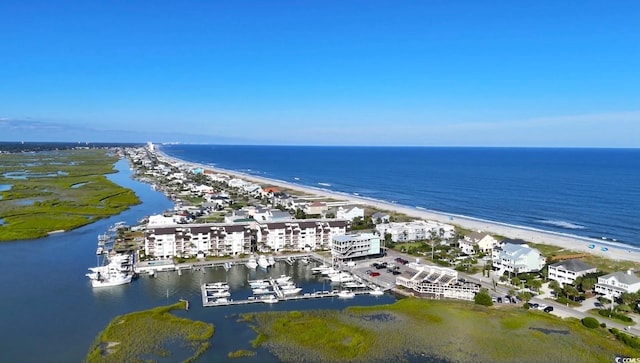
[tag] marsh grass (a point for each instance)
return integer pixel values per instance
(442, 330)
(56, 203)
(137, 336)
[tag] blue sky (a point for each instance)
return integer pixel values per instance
(509, 73)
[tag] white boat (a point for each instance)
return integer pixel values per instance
(283, 279)
(259, 283)
(262, 291)
(221, 285)
(221, 300)
(330, 272)
(252, 264)
(263, 262)
(341, 277)
(110, 275)
(218, 293)
(99, 250)
(269, 299)
(291, 291)
(287, 286)
(346, 294)
(376, 292)
(305, 260)
(320, 269)
(271, 261)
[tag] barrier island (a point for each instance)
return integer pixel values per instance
(429, 330)
(57, 190)
(150, 335)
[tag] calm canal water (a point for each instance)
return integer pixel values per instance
(50, 313)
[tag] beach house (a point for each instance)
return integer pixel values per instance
(517, 258)
(349, 213)
(477, 241)
(614, 284)
(566, 272)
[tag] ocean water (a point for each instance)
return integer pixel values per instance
(586, 192)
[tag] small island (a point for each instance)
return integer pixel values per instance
(151, 334)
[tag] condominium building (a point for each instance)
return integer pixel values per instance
(211, 239)
(299, 235)
(353, 246)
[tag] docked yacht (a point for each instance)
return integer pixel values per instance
(341, 277)
(108, 275)
(252, 264)
(263, 262)
(292, 291)
(283, 279)
(346, 294)
(271, 261)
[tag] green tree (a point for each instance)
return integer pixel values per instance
(588, 283)
(535, 284)
(483, 298)
(525, 296)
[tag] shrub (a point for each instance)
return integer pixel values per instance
(627, 339)
(483, 298)
(526, 306)
(614, 315)
(590, 322)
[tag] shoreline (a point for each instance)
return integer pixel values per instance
(615, 250)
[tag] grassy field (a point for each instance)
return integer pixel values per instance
(61, 190)
(149, 335)
(441, 330)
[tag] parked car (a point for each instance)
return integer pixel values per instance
(533, 305)
(548, 309)
(374, 274)
(397, 272)
(499, 300)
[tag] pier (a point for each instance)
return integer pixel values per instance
(314, 295)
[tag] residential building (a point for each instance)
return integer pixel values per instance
(482, 242)
(299, 235)
(353, 246)
(614, 284)
(416, 230)
(211, 239)
(316, 208)
(349, 213)
(517, 258)
(566, 272)
(380, 217)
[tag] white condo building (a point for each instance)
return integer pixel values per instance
(352, 246)
(415, 230)
(212, 239)
(299, 235)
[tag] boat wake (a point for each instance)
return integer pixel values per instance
(325, 184)
(562, 224)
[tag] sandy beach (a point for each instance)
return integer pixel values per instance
(613, 250)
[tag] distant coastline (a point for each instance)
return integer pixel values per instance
(613, 250)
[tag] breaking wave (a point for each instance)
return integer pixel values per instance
(562, 224)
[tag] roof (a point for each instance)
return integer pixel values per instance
(623, 277)
(477, 236)
(573, 265)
